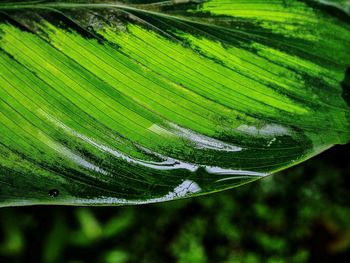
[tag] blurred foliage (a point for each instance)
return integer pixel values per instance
(302, 215)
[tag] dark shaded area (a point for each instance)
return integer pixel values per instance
(61, 21)
(346, 87)
(53, 193)
(5, 17)
(333, 11)
(301, 215)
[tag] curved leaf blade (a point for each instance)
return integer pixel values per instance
(145, 102)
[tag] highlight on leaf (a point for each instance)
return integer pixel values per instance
(111, 103)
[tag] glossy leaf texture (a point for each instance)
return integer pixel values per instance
(140, 101)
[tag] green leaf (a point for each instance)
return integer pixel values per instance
(143, 101)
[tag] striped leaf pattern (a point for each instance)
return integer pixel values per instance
(141, 101)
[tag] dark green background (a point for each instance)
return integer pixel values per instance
(301, 215)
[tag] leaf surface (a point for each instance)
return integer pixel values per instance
(141, 101)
